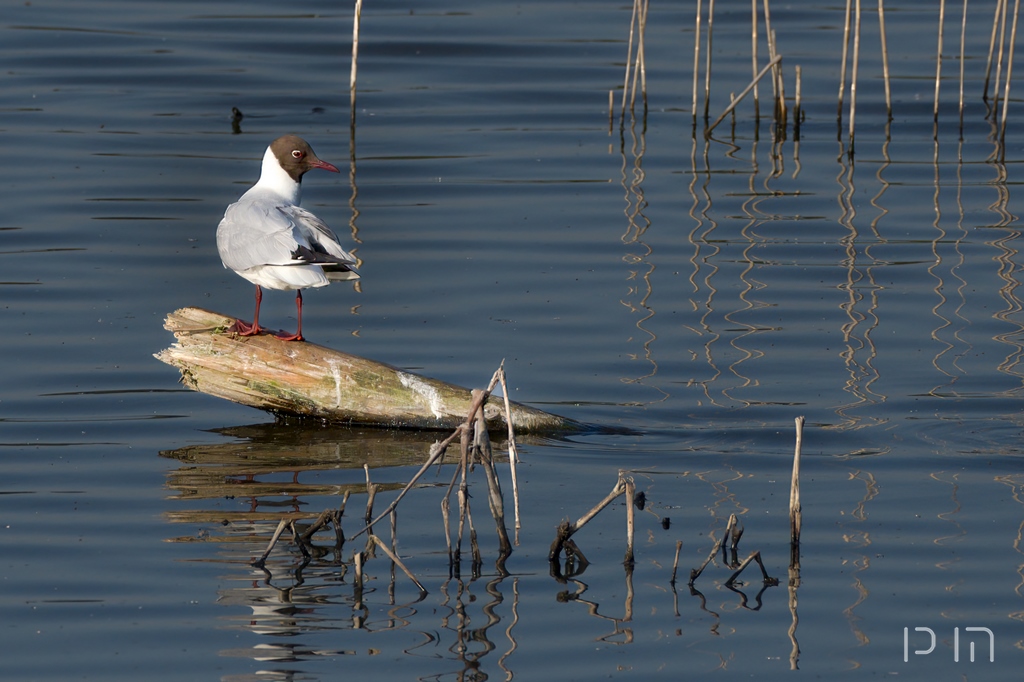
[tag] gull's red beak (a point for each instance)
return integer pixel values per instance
(317, 163)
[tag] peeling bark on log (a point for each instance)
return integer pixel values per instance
(302, 379)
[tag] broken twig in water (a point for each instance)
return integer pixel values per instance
(766, 69)
(566, 529)
(675, 562)
(729, 528)
(754, 556)
(391, 555)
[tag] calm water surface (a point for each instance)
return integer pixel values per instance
(701, 294)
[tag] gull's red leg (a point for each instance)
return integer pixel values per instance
(244, 329)
(297, 336)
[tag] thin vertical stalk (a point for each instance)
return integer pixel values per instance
(1009, 72)
(795, 510)
(513, 452)
(642, 53)
(675, 562)
(991, 48)
(853, 75)
(885, 57)
(781, 85)
(707, 66)
(999, 54)
(630, 491)
(611, 110)
(696, 64)
(963, 39)
(629, 56)
(938, 57)
(639, 65)
(355, 61)
(772, 53)
(796, 107)
(753, 56)
(842, 75)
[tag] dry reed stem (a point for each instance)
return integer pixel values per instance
(776, 70)
(938, 57)
(729, 527)
(629, 55)
(707, 66)
(463, 492)
(637, 70)
(611, 110)
(696, 63)
(566, 530)
(999, 56)
(679, 548)
(355, 59)
(641, 58)
(754, 556)
(991, 49)
(753, 56)
(494, 497)
(853, 75)
(398, 562)
(885, 56)
(445, 514)
(846, 49)
(782, 85)
(357, 560)
(371, 493)
(737, 533)
(281, 525)
(327, 515)
(474, 546)
(513, 453)
(629, 491)
(795, 510)
(963, 40)
(743, 94)
(437, 450)
(796, 107)
(1009, 73)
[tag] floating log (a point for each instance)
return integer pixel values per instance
(301, 379)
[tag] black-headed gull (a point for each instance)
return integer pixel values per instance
(267, 239)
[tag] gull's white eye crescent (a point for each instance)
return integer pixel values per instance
(297, 154)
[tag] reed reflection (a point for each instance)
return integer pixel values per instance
(859, 352)
(949, 333)
(1015, 482)
(703, 254)
(621, 633)
(859, 539)
(751, 209)
(304, 584)
(637, 223)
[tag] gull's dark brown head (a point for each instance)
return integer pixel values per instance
(296, 156)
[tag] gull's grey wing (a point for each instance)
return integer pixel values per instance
(321, 244)
(259, 233)
(255, 233)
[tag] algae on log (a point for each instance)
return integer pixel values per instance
(302, 379)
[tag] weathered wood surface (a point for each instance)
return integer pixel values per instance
(302, 379)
